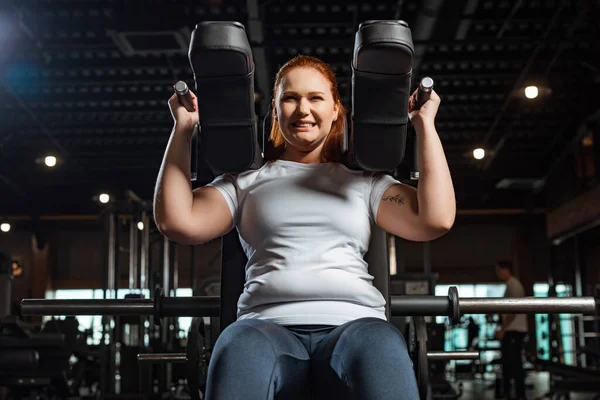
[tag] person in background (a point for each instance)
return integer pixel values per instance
(511, 333)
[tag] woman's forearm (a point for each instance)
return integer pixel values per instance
(435, 192)
(173, 196)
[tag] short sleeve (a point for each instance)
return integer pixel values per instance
(380, 183)
(226, 184)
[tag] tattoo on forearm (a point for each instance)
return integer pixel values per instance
(395, 199)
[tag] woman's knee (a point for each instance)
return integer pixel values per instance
(373, 340)
(248, 335)
(378, 332)
(257, 338)
(256, 359)
(372, 359)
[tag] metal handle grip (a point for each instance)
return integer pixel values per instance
(185, 99)
(423, 94)
(183, 95)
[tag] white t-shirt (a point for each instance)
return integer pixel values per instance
(305, 229)
(514, 288)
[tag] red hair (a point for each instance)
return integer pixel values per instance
(332, 148)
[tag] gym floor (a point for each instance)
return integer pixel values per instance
(537, 388)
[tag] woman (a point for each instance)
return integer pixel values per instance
(310, 322)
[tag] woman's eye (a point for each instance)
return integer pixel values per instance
(317, 98)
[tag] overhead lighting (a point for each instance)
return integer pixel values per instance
(140, 226)
(5, 227)
(104, 198)
(50, 161)
(478, 153)
(531, 92)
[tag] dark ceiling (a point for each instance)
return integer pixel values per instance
(88, 81)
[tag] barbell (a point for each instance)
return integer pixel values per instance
(208, 306)
(414, 306)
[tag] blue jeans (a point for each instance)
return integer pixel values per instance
(363, 359)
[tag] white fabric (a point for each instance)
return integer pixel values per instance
(514, 288)
(305, 229)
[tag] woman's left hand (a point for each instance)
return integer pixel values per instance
(426, 114)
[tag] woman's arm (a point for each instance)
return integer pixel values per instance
(429, 211)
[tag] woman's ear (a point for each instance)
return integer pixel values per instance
(336, 111)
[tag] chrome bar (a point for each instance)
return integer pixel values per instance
(88, 307)
(453, 355)
(162, 358)
(527, 305)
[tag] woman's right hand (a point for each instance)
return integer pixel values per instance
(182, 117)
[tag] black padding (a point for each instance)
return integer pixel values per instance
(381, 73)
(221, 59)
(233, 277)
(377, 259)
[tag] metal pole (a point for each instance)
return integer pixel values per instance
(112, 258)
(163, 357)
(527, 305)
(391, 245)
(166, 263)
(144, 264)
(106, 307)
(453, 355)
(133, 254)
(175, 269)
(165, 337)
(579, 293)
(208, 306)
(111, 293)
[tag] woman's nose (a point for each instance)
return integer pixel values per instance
(303, 107)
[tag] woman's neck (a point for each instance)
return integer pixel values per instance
(311, 157)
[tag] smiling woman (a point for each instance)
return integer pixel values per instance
(306, 92)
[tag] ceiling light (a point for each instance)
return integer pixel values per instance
(5, 227)
(50, 161)
(104, 198)
(479, 153)
(140, 226)
(531, 92)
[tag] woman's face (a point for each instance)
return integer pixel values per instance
(305, 109)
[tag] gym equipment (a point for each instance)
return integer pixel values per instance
(185, 99)
(382, 64)
(423, 93)
(33, 364)
(223, 67)
(208, 306)
(416, 306)
(566, 378)
(195, 358)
